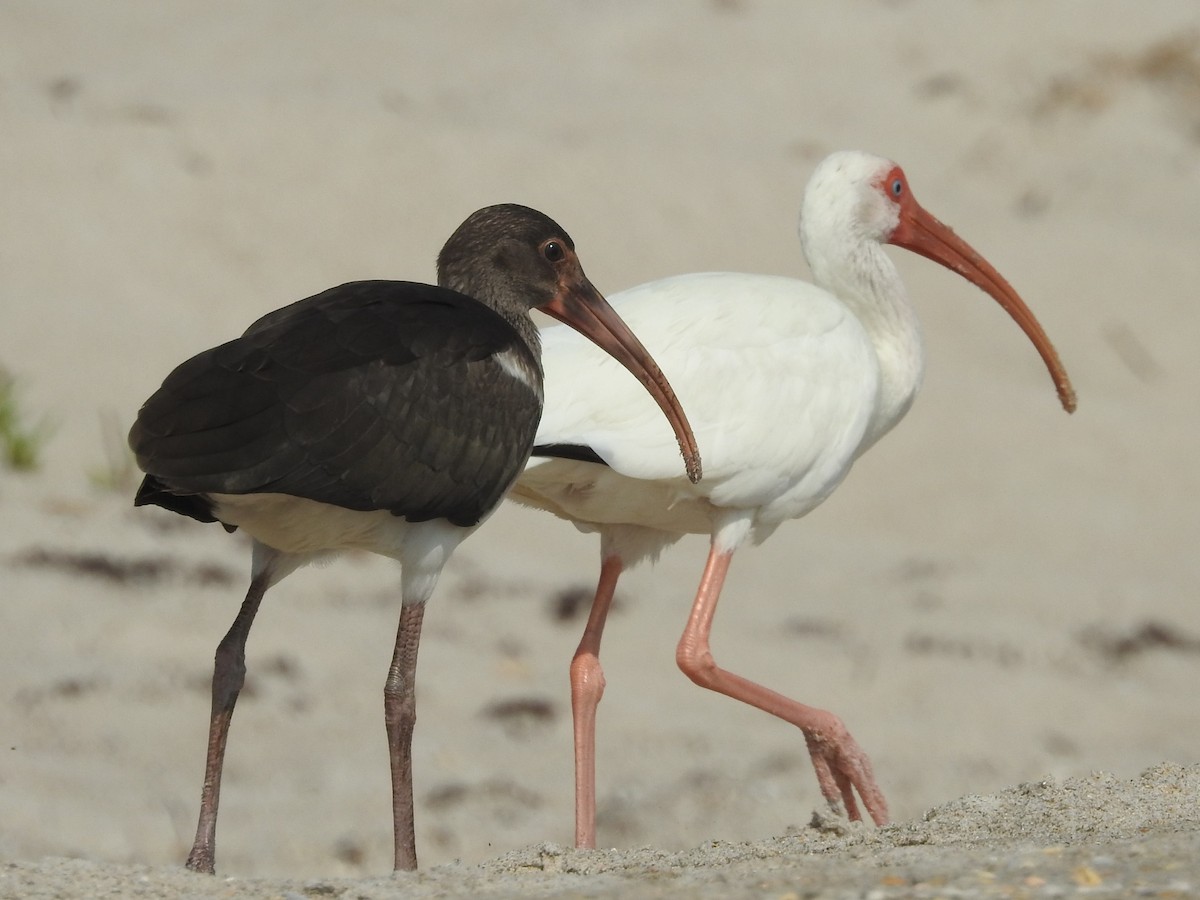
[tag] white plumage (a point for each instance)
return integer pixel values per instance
(736, 364)
(786, 383)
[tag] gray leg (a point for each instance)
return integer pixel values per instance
(229, 674)
(400, 715)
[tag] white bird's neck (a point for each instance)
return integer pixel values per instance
(865, 279)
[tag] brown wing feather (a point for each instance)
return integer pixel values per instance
(372, 395)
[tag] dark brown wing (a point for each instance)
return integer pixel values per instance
(372, 395)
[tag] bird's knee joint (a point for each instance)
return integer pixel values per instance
(399, 702)
(229, 675)
(587, 674)
(696, 663)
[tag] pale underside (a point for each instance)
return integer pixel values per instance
(290, 532)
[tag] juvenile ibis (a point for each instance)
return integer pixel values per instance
(787, 383)
(385, 416)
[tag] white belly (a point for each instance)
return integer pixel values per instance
(301, 527)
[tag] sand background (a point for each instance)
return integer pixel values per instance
(1000, 594)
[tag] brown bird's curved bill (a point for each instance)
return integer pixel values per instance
(582, 307)
(921, 232)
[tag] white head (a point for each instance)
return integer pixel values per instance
(846, 196)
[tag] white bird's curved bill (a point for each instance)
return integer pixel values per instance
(922, 233)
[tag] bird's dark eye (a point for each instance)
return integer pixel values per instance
(553, 251)
(897, 187)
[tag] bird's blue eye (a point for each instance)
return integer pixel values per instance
(897, 187)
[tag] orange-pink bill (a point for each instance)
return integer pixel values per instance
(921, 232)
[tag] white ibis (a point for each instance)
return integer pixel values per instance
(380, 415)
(787, 383)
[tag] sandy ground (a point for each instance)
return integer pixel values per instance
(999, 595)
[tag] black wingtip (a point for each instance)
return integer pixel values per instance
(580, 452)
(195, 506)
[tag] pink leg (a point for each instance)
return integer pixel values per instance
(229, 674)
(400, 715)
(587, 687)
(842, 768)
